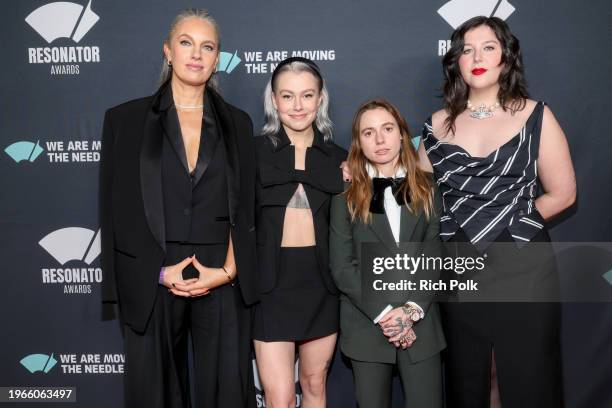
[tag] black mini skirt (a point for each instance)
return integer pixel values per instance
(299, 307)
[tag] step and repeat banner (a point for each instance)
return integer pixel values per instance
(65, 63)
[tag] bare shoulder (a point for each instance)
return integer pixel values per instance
(438, 120)
(530, 105)
(524, 113)
(550, 126)
(549, 115)
(438, 117)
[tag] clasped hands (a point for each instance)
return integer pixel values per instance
(397, 326)
(209, 278)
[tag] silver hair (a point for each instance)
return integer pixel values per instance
(166, 70)
(272, 123)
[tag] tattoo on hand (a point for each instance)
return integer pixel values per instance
(402, 325)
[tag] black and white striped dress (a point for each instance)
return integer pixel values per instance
(485, 195)
(486, 200)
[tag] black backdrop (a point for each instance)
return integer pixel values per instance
(51, 117)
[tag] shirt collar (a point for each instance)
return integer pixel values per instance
(373, 172)
(318, 142)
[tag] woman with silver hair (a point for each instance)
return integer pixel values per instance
(177, 200)
(297, 174)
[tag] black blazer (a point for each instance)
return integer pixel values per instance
(131, 202)
(277, 181)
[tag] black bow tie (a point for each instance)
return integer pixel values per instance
(377, 205)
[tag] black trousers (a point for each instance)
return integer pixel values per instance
(525, 340)
(156, 372)
(524, 337)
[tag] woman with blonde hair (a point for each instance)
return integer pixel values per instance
(177, 215)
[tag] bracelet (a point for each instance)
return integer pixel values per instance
(229, 277)
(162, 272)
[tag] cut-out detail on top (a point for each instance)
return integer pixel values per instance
(299, 198)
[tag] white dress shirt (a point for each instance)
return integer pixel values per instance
(393, 211)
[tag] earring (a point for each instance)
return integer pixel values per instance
(169, 63)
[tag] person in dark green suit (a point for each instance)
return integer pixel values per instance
(390, 201)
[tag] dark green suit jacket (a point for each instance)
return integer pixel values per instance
(360, 338)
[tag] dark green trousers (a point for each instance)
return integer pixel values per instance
(422, 383)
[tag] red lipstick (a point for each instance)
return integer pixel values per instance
(478, 71)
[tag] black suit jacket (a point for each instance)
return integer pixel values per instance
(131, 202)
(277, 181)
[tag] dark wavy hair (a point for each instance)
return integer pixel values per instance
(512, 84)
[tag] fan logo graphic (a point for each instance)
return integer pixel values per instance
(608, 276)
(73, 245)
(35, 363)
(57, 151)
(228, 61)
(457, 12)
(259, 395)
(60, 20)
(24, 151)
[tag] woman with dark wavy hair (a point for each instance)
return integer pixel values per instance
(489, 148)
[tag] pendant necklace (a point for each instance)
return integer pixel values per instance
(482, 111)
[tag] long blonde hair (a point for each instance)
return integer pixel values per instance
(417, 185)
